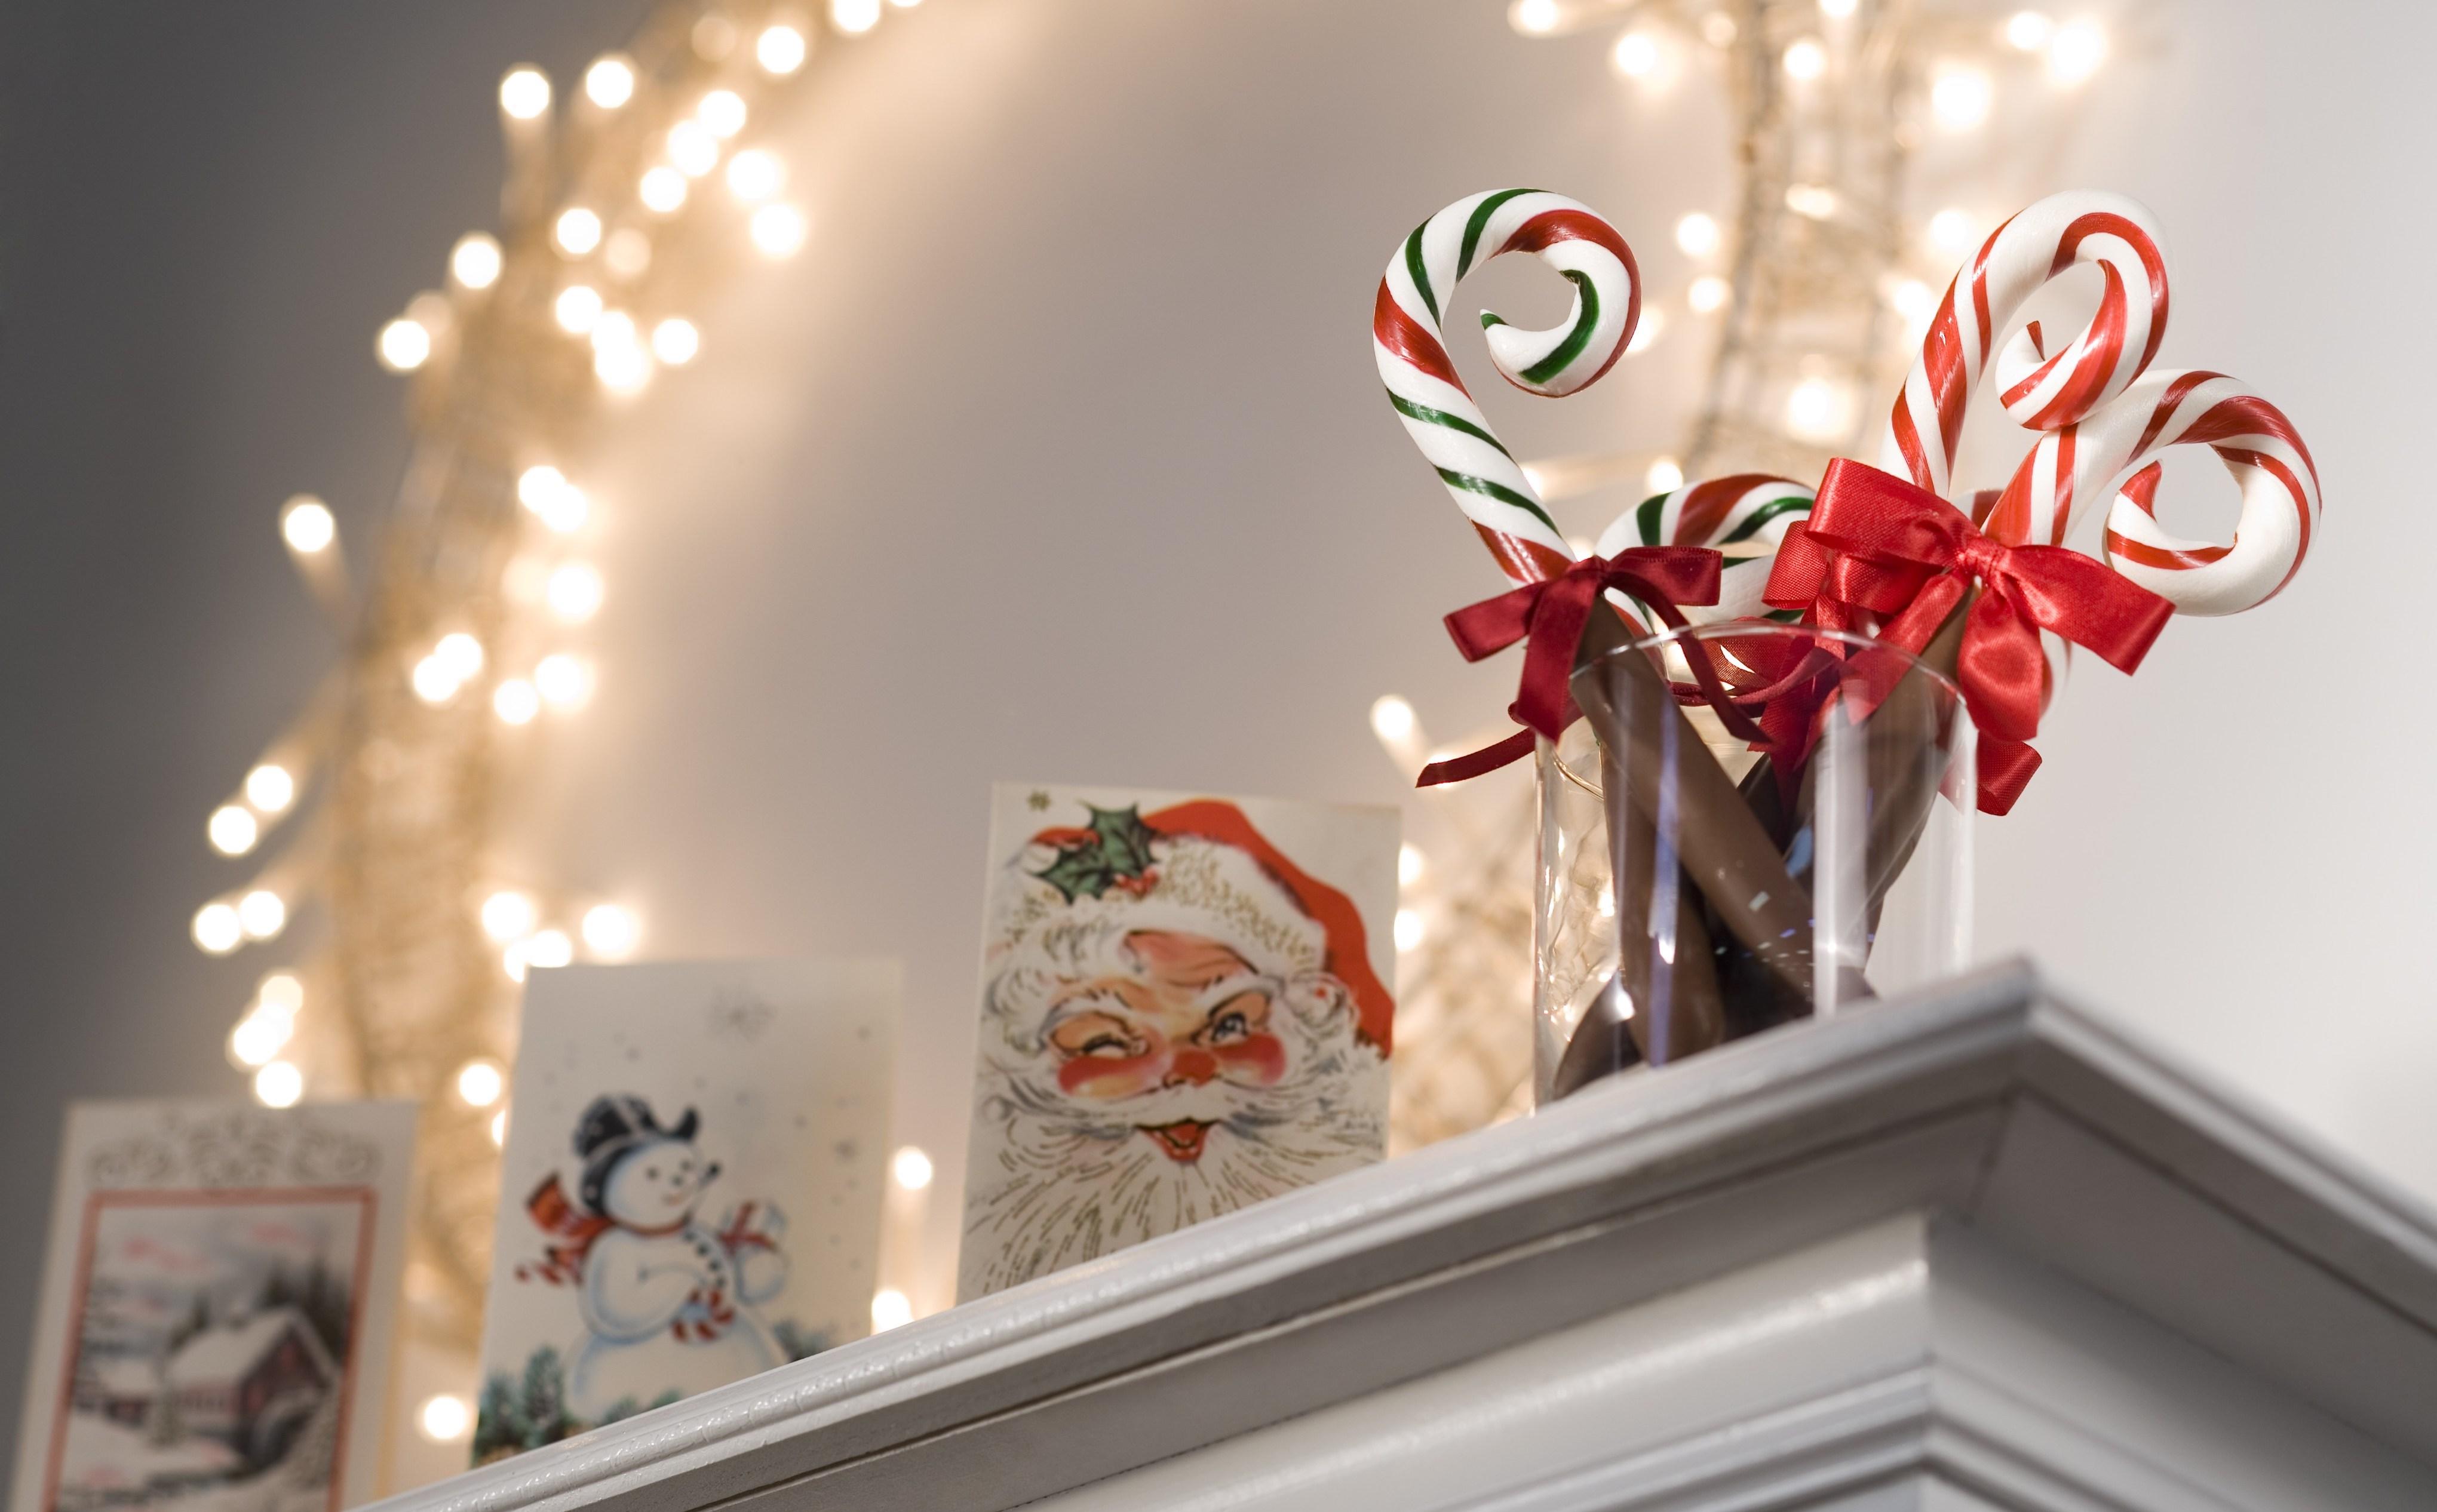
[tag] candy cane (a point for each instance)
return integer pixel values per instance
(2118, 447)
(1746, 516)
(2043, 393)
(1407, 336)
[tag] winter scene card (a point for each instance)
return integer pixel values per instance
(692, 1185)
(213, 1331)
(1184, 1010)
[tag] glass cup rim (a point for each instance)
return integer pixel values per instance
(1722, 629)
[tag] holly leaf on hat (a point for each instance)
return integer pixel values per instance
(1114, 852)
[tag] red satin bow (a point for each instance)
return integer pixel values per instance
(1875, 542)
(1550, 615)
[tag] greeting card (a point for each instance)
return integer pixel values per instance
(1183, 1011)
(691, 1187)
(214, 1324)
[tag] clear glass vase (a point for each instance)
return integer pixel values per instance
(1693, 889)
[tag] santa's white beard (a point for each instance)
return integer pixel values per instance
(1075, 1177)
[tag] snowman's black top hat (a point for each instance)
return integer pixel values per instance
(613, 1127)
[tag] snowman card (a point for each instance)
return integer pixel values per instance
(214, 1328)
(691, 1189)
(1183, 1011)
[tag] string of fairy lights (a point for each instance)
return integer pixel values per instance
(1812, 293)
(624, 206)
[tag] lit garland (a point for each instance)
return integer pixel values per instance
(1818, 288)
(624, 206)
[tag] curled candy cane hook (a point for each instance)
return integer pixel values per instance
(2112, 454)
(1407, 338)
(2040, 390)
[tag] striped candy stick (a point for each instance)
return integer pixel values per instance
(2038, 390)
(1746, 516)
(2117, 448)
(1409, 339)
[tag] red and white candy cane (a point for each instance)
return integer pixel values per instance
(2061, 232)
(1408, 338)
(2118, 447)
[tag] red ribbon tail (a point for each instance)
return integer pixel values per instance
(2006, 767)
(1488, 759)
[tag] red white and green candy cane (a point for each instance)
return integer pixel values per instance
(1746, 516)
(2039, 391)
(1407, 336)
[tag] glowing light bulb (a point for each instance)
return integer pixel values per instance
(479, 1084)
(610, 81)
(622, 367)
(1635, 55)
(1707, 294)
(432, 682)
(1960, 98)
(535, 486)
(574, 592)
(475, 261)
(578, 307)
(2075, 51)
(756, 173)
(722, 110)
(281, 993)
(889, 1308)
(910, 1168)
(560, 504)
(693, 148)
(1409, 930)
(2028, 30)
(262, 914)
(1410, 863)
(278, 1084)
(1805, 60)
(1392, 719)
(499, 1128)
(663, 190)
(779, 49)
(1818, 409)
(260, 1036)
(515, 701)
(1666, 475)
(1814, 202)
(445, 1418)
(404, 345)
(551, 947)
(507, 915)
(577, 231)
(614, 328)
(217, 928)
(1697, 235)
(611, 931)
(562, 680)
(779, 230)
(512, 961)
(1951, 231)
(1534, 18)
(524, 93)
(461, 654)
(232, 831)
(627, 253)
(1839, 9)
(676, 342)
(1913, 300)
(307, 525)
(1646, 331)
(854, 17)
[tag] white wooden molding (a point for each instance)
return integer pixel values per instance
(2039, 1214)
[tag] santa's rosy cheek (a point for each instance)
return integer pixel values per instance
(1254, 1058)
(1108, 1075)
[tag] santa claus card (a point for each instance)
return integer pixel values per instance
(1183, 1012)
(214, 1327)
(691, 1187)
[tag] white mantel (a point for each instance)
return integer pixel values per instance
(1970, 1251)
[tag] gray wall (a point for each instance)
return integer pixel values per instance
(1086, 302)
